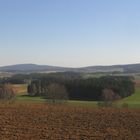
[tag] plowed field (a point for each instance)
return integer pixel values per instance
(46, 122)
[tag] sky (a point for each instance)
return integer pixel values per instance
(72, 33)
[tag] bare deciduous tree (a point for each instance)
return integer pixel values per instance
(109, 95)
(56, 92)
(6, 92)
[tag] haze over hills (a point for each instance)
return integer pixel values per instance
(29, 68)
(32, 68)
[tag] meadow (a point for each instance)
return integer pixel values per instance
(131, 101)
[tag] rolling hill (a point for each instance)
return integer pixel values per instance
(31, 68)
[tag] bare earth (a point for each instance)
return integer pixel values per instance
(47, 122)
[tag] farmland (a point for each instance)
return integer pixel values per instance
(34, 118)
(38, 121)
(132, 101)
(20, 89)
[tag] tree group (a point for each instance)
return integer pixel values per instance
(98, 89)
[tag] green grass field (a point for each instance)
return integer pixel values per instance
(134, 100)
(26, 98)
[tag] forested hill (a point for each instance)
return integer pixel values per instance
(31, 68)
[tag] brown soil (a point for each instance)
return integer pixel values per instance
(61, 122)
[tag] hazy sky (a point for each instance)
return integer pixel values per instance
(69, 32)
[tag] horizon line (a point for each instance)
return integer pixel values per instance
(68, 66)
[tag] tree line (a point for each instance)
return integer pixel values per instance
(26, 78)
(97, 89)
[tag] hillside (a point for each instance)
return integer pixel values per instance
(30, 68)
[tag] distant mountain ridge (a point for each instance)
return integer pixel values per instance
(32, 68)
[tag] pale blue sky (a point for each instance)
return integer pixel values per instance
(69, 32)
